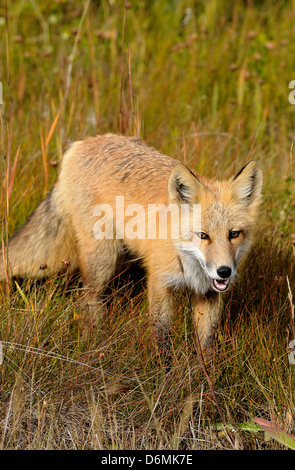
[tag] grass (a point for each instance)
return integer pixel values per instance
(206, 82)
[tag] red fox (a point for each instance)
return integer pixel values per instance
(94, 172)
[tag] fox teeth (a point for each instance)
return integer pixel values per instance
(220, 285)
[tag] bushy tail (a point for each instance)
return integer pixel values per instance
(43, 245)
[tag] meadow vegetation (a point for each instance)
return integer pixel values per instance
(205, 81)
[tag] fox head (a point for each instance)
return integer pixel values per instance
(228, 213)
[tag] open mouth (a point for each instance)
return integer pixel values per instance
(220, 285)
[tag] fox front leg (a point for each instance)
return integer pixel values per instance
(160, 302)
(206, 312)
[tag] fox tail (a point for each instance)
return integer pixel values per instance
(43, 246)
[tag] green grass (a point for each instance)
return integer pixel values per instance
(206, 82)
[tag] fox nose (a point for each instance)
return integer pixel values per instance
(224, 272)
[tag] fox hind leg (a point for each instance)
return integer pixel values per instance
(98, 264)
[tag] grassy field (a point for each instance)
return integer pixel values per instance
(207, 82)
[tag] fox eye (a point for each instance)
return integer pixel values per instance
(203, 235)
(234, 233)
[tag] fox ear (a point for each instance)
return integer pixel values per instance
(183, 185)
(247, 183)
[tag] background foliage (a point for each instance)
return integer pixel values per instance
(205, 81)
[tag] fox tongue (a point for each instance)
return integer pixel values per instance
(220, 285)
